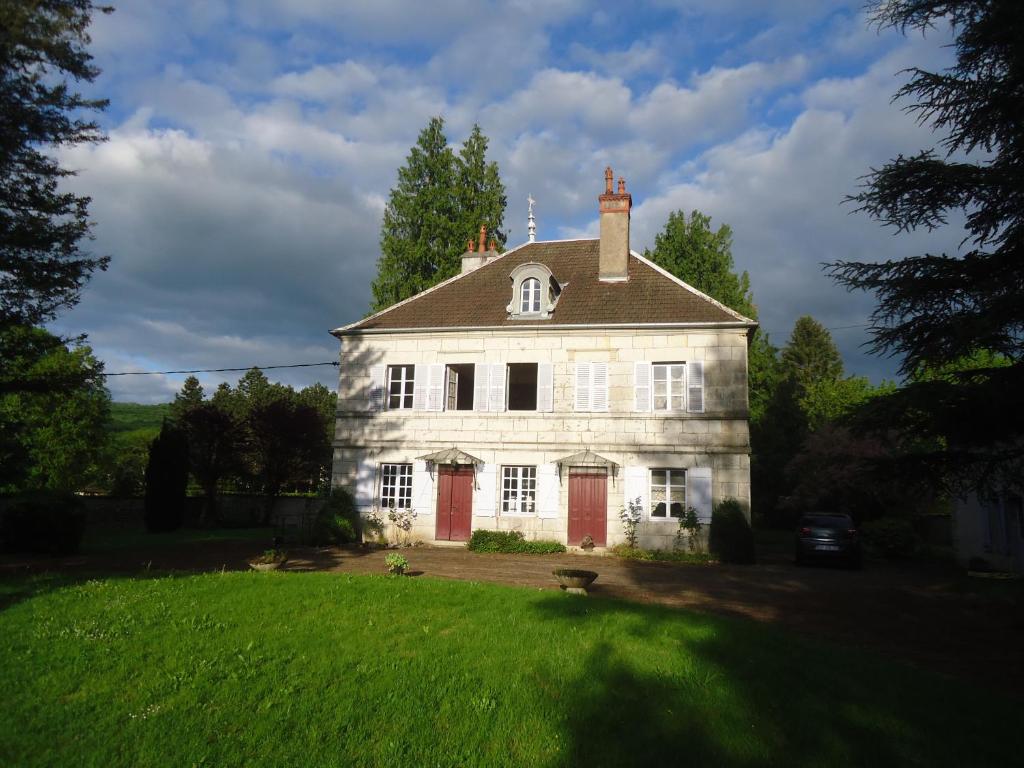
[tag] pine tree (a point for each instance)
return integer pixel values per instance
(810, 356)
(439, 203)
(690, 250)
(190, 397)
(934, 310)
(480, 195)
(42, 267)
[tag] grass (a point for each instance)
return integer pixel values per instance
(130, 417)
(314, 669)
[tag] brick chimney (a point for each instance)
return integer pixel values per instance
(614, 208)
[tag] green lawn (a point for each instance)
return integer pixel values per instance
(289, 669)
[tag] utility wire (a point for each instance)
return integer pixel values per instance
(220, 370)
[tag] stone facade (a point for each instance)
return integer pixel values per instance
(716, 439)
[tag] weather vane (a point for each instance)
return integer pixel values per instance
(532, 221)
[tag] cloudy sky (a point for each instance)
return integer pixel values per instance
(252, 146)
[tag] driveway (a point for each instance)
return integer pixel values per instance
(932, 618)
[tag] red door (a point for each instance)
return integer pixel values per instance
(454, 503)
(588, 507)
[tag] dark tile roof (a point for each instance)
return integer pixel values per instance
(480, 297)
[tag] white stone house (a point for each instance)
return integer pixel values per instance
(542, 388)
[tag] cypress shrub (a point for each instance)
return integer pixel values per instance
(731, 538)
(166, 480)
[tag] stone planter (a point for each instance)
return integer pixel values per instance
(266, 566)
(573, 580)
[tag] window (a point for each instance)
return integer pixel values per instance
(400, 386)
(531, 296)
(396, 486)
(518, 490)
(668, 493)
(591, 387)
(669, 386)
(459, 395)
(522, 386)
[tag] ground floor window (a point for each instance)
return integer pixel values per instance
(668, 493)
(518, 490)
(396, 486)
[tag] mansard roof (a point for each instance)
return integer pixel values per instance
(480, 298)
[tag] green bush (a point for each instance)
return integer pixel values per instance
(511, 541)
(730, 538)
(891, 537)
(336, 522)
(396, 563)
(627, 552)
(43, 524)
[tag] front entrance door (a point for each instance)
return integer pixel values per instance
(588, 506)
(454, 503)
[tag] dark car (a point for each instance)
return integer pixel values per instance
(824, 537)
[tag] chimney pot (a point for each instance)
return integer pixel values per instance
(622, 185)
(471, 246)
(608, 180)
(483, 238)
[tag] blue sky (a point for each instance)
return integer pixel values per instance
(253, 144)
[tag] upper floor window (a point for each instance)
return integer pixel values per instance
(531, 296)
(534, 292)
(669, 386)
(400, 386)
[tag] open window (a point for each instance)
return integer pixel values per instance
(459, 394)
(522, 386)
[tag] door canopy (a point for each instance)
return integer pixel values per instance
(452, 456)
(587, 459)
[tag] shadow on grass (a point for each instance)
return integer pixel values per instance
(723, 700)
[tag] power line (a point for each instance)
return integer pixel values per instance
(220, 370)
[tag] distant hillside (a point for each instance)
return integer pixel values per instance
(132, 417)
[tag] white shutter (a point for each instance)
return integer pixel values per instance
(420, 375)
(698, 492)
(485, 497)
(435, 387)
(635, 486)
(378, 386)
(547, 490)
(422, 489)
(695, 387)
(366, 485)
(583, 386)
(599, 386)
(545, 387)
(642, 387)
(496, 389)
(481, 377)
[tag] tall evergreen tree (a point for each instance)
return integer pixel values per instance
(440, 202)
(934, 310)
(42, 48)
(166, 480)
(191, 396)
(811, 356)
(702, 257)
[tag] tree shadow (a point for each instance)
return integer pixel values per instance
(728, 696)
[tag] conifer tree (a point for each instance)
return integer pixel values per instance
(439, 203)
(810, 356)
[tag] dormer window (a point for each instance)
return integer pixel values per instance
(531, 296)
(534, 292)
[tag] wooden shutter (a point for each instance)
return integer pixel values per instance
(635, 486)
(422, 489)
(545, 387)
(420, 374)
(642, 387)
(695, 387)
(599, 386)
(583, 386)
(698, 492)
(378, 386)
(485, 497)
(366, 484)
(547, 490)
(481, 377)
(435, 387)
(496, 388)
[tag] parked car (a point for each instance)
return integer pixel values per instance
(823, 537)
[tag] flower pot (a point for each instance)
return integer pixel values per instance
(573, 580)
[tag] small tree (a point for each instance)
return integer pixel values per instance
(166, 480)
(689, 530)
(631, 515)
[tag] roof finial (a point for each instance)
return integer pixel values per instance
(608, 180)
(532, 221)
